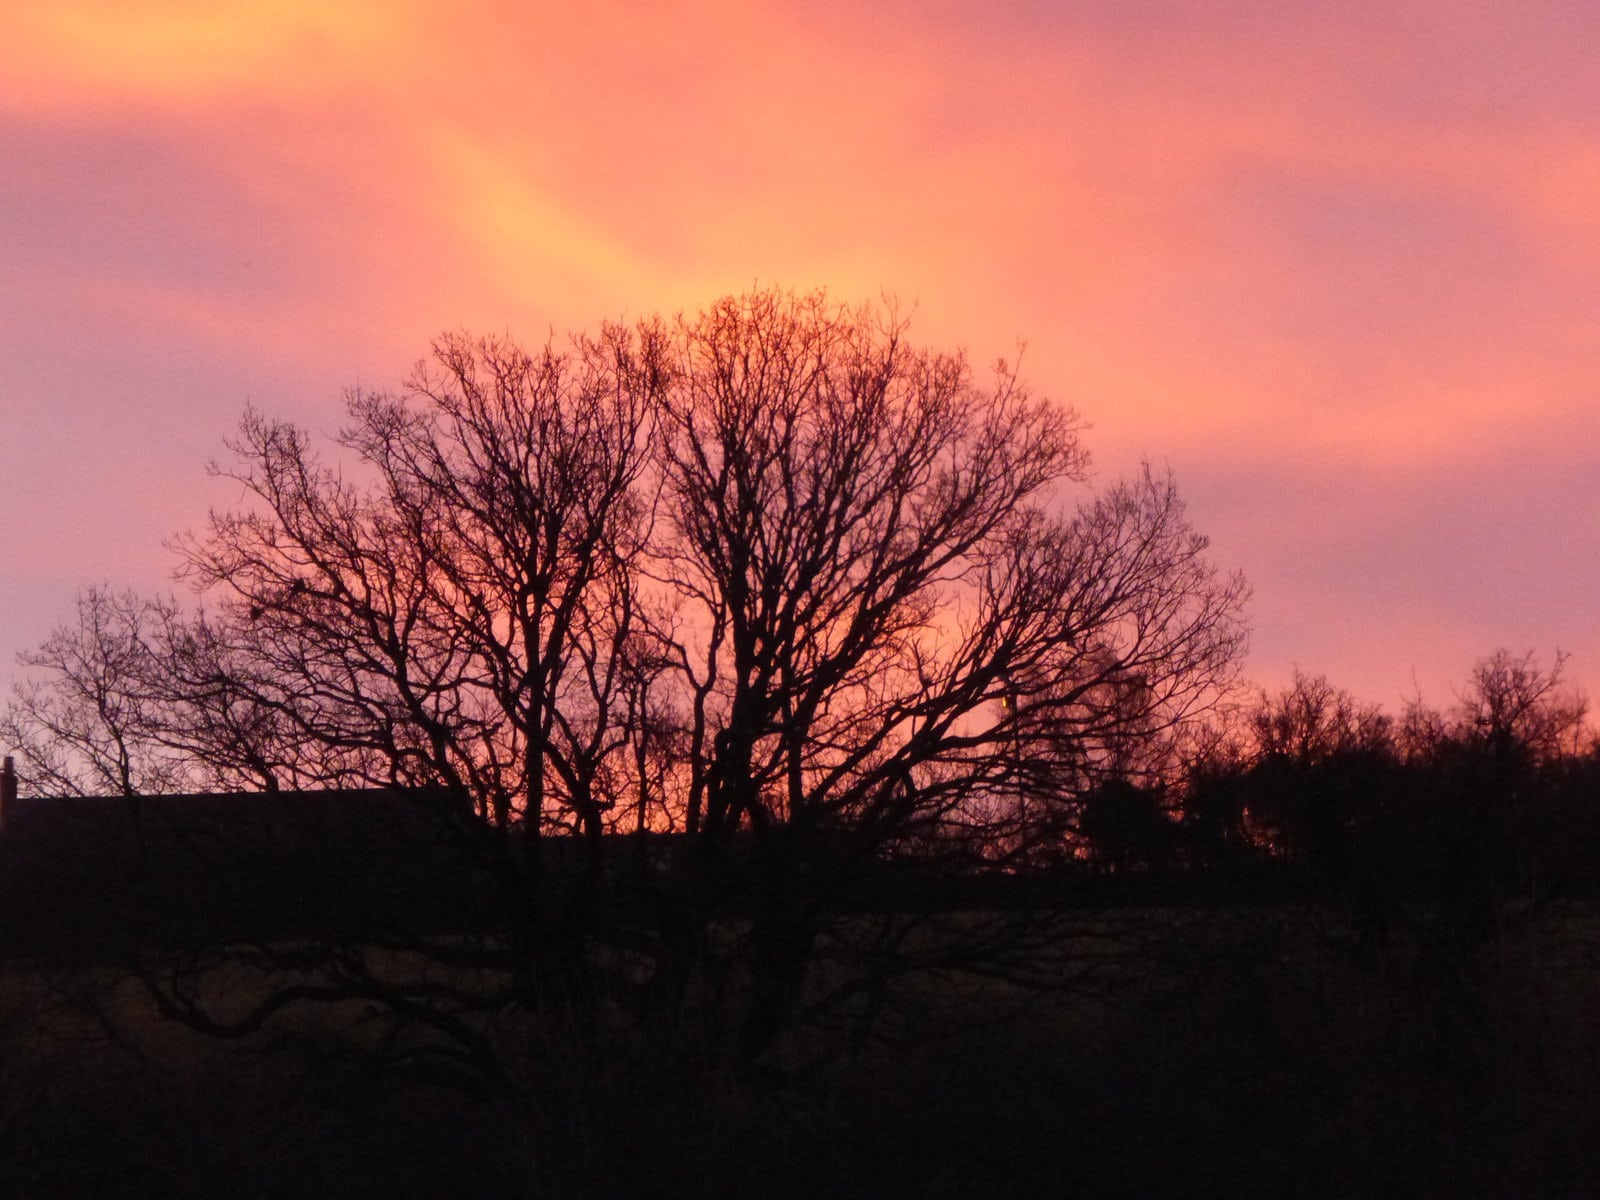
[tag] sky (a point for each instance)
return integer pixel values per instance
(1336, 265)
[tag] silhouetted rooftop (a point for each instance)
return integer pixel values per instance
(94, 875)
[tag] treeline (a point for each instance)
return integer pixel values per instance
(1494, 798)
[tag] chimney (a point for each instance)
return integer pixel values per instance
(8, 790)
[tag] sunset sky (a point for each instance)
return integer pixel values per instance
(1339, 270)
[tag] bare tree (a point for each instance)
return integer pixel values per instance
(1311, 721)
(458, 619)
(901, 630)
(1513, 702)
(83, 724)
(769, 576)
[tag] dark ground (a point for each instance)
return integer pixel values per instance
(1252, 1058)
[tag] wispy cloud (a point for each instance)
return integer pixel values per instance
(1340, 268)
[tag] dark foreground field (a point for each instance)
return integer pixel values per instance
(1233, 1052)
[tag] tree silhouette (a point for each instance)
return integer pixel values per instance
(768, 578)
(898, 633)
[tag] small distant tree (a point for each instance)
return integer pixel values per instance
(84, 723)
(1317, 773)
(1520, 710)
(1128, 826)
(1492, 826)
(1311, 721)
(1512, 708)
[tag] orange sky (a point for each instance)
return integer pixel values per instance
(1340, 271)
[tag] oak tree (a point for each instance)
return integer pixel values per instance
(770, 582)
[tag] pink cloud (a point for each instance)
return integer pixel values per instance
(1338, 269)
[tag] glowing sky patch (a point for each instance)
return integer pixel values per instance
(1340, 269)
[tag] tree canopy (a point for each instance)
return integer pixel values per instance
(765, 573)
